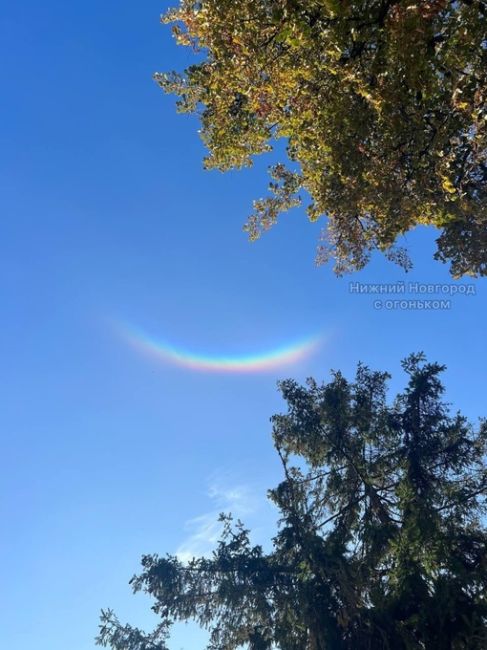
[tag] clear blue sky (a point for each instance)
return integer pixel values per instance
(107, 216)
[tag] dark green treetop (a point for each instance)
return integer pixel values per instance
(380, 543)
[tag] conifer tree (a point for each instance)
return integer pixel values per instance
(381, 543)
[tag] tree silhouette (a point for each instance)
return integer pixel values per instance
(380, 543)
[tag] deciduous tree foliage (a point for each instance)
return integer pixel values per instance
(380, 543)
(382, 103)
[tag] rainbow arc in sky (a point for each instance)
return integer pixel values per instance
(271, 359)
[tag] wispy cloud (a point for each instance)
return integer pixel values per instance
(204, 530)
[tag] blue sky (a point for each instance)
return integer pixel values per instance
(108, 217)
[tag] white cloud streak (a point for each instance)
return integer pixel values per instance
(204, 530)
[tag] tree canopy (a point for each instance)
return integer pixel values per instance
(382, 104)
(380, 543)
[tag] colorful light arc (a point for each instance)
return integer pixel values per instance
(267, 360)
